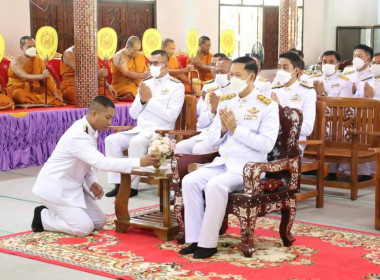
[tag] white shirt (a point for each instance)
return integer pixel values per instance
(255, 135)
(374, 83)
(336, 85)
(61, 179)
(263, 86)
(163, 109)
(355, 76)
(301, 97)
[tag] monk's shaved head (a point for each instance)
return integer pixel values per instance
(167, 41)
(203, 39)
(24, 39)
(132, 41)
(100, 103)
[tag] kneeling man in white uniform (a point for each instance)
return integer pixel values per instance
(246, 130)
(67, 184)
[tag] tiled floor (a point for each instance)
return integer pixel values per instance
(17, 204)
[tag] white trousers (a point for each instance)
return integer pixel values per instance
(137, 145)
(202, 224)
(193, 146)
(73, 220)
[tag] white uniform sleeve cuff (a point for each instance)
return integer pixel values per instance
(135, 162)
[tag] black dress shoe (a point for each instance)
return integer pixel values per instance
(204, 253)
(362, 178)
(37, 222)
(311, 172)
(331, 177)
(114, 191)
(134, 192)
(189, 249)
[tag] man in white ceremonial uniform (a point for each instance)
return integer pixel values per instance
(293, 93)
(371, 87)
(330, 82)
(360, 70)
(261, 84)
(246, 130)
(157, 105)
(67, 183)
(206, 108)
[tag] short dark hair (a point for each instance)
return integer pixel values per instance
(368, 50)
(294, 59)
(101, 100)
(167, 41)
(23, 40)
(203, 39)
(162, 53)
(334, 53)
(218, 54)
(298, 52)
(249, 64)
(255, 55)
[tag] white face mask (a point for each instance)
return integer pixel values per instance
(375, 69)
(283, 77)
(358, 63)
(222, 79)
(238, 85)
(328, 69)
(31, 52)
(155, 71)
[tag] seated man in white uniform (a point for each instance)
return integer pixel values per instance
(371, 88)
(206, 108)
(330, 82)
(246, 130)
(158, 103)
(262, 84)
(67, 183)
(293, 93)
(360, 70)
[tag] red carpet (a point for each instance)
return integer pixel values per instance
(319, 252)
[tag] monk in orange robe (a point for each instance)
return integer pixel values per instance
(202, 60)
(129, 68)
(67, 86)
(174, 68)
(5, 101)
(28, 78)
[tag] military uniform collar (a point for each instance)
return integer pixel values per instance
(333, 76)
(251, 95)
(88, 128)
(162, 79)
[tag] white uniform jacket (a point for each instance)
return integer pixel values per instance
(302, 97)
(163, 109)
(336, 85)
(264, 86)
(374, 83)
(255, 135)
(61, 179)
(355, 76)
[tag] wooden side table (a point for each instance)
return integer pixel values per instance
(162, 222)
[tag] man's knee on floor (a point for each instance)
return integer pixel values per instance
(84, 229)
(101, 222)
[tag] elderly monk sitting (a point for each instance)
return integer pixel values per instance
(202, 61)
(129, 69)
(174, 68)
(28, 77)
(67, 69)
(5, 101)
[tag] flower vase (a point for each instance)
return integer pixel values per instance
(162, 162)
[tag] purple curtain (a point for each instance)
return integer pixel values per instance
(29, 140)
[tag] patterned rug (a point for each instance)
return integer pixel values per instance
(319, 252)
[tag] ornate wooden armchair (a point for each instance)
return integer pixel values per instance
(315, 143)
(260, 196)
(377, 186)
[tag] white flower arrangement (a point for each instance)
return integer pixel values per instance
(161, 145)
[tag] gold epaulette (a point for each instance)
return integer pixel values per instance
(263, 79)
(349, 72)
(304, 84)
(277, 86)
(307, 72)
(264, 99)
(148, 78)
(212, 88)
(209, 82)
(85, 128)
(344, 77)
(227, 96)
(318, 74)
(175, 80)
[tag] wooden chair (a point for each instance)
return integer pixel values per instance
(260, 196)
(186, 121)
(316, 143)
(349, 122)
(377, 186)
(344, 64)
